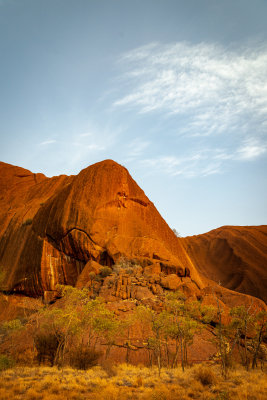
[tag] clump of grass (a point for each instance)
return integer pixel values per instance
(205, 375)
(139, 381)
(32, 394)
(109, 369)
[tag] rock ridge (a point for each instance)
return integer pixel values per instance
(62, 229)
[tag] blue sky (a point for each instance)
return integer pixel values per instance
(176, 91)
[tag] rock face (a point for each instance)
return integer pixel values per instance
(52, 227)
(65, 229)
(234, 256)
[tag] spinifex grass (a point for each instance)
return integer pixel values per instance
(131, 382)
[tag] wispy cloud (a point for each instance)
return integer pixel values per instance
(137, 147)
(94, 146)
(193, 165)
(216, 98)
(88, 147)
(86, 134)
(217, 88)
(187, 167)
(205, 162)
(250, 150)
(47, 142)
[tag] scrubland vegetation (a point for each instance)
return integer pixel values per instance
(66, 350)
(127, 382)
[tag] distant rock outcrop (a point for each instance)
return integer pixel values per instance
(233, 256)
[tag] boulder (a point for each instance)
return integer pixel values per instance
(142, 293)
(85, 276)
(153, 269)
(190, 289)
(171, 282)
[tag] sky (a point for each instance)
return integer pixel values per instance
(174, 90)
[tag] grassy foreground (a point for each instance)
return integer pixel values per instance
(130, 382)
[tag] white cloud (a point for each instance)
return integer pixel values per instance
(217, 89)
(215, 97)
(86, 134)
(250, 150)
(205, 162)
(193, 165)
(47, 142)
(94, 146)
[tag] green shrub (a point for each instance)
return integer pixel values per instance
(92, 275)
(27, 222)
(6, 362)
(13, 325)
(84, 357)
(105, 271)
(46, 345)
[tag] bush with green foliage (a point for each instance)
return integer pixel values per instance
(6, 362)
(27, 222)
(83, 357)
(11, 326)
(92, 275)
(105, 271)
(47, 346)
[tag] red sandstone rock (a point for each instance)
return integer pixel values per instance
(190, 289)
(57, 230)
(51, 227)
(143, 293)
(86, 274)
(171, 282)
(153, 269)
(233, 256)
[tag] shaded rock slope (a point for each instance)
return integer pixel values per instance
(61, 229)
(234, 256)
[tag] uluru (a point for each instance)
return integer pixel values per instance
(54, 229)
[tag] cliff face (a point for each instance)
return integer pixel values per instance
(52, 227)
(60, 229)
(234, 256)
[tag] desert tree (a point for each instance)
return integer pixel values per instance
(241, 324)
(183, 323)
(259, 349)
(10, 329)
(221, 341)
(154, 333)
(57, 325)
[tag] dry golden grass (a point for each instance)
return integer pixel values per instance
(127, 382)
